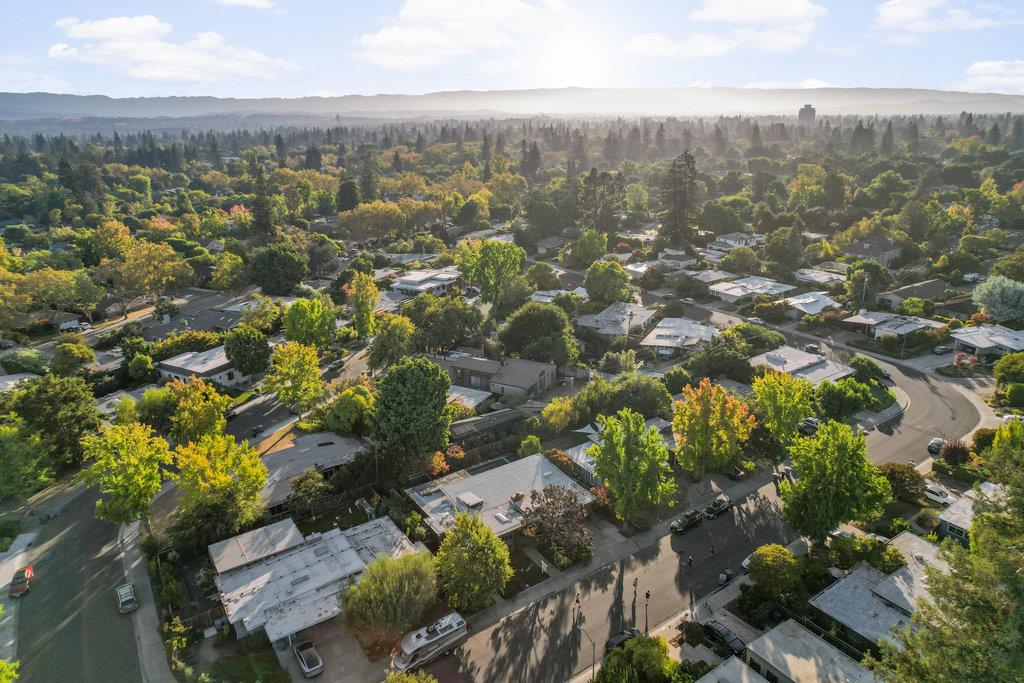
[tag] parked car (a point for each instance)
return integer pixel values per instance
(813, 348)
(717, 507)
(686, 521)
(935, 446)
(668, 296)
(941, 350)
(22, 582)
(736, 473)
(688, 301)
(716, 631)
(309, 660)
(756, 321)
(621, 638)
(939, 495)
(126, 601)
(1013, 418)
(746, 562)
(336, 365)
(809, 426)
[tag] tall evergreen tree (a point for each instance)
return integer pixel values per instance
(262, 219)
(348, 194)
(679, 199)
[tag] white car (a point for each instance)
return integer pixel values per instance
(126, 601)
(755, 321)
(939, 495)
(688, 301)
(1013, 418)
(309, 659)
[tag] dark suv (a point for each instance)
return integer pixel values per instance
(718, 507)
(690, 519)
(621, 638)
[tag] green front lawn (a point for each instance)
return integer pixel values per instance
(251, 667)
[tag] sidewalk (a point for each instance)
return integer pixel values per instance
(870, 420)
(145, 620)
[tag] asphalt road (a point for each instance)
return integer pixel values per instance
(540, 643)
(69, 628)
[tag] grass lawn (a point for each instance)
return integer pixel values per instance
(259, 666)
(881, 397)
(895, 510)
(9, 530)
(241, 398)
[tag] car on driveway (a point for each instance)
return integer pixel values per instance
(717, 507)
(942, 350)
(935, 446)
(309, 659)
(22, 582)
(716, 631)
(939, 495)
(756, 321)
(813, 348)
(686, 521)
(688, 301)
(621, 638)
(126, 600)
(809, 426)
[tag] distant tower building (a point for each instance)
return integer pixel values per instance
(806, 116)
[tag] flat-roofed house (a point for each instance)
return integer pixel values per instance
(880, 323)
(500, 496)
(324, 452)
(811, 303)
(956, 520)
(813, 367)
(212, 365)
(747, 288)
(933, 290)
(814, 276)
(675, 335)
(436, 281)
(273, 579)
(988, 340)
(506, 377)
(789, 653)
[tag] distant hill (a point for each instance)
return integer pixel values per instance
(560, 101)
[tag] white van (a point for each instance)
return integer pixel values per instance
(430, 642)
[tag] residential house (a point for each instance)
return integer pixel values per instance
(813, 367)
(618, 319)
(676, 259)
(550, 245)
(956, 520)
(810, 303)
(815, 276)
(833, 267)
(732, 670)
(436, 281)
(207, 320)
(547, 296)
(675, 335)
(274, 580)
(500, 496)
(930, 290)
(585, 463)
(747, 288)
(875, 248)
(487, 428)
(710, 255)
(471, 398)
(988, 340)
(710, 276)
(390, 301)
(107, 404)
(325, 452)
(789, 653)
(866, 604)
(880, 323)
(640, 268)
(506, 377)
(212, 365)
(734, 240)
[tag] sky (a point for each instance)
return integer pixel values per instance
(291, 48)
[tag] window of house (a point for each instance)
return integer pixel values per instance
(956, 531)
(231, 376)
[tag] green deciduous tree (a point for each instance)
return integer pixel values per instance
(393, 341)
(310, 490)
(278, 268)
(607, 282)
(774, 570)
(69, 359)
(906, 482)
(295, 375)
(392, 594)
(218, 468)
(350, 412)
(199, 410)
(542, 277)
(23, 469)
(782, 401)
(248, 350)
(409, 414)
(126, 468)
(841, 400)
(310, 322)
(472, 564)
(837, 482)
(363, 296)
(60, 410)
(442, 323)
(709, 425)
(590, 246)
(540, 332)
(633, 461)
(490, 265)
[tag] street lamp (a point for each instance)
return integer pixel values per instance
(593, 650)
(647, 600)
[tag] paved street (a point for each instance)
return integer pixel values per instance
(69, 628)
(539, 643)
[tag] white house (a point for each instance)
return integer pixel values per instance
(436, 281)
(988, 340)
(812, 303)
(547, 296)
(212, 365)
(881, 323)
(675, 259)
(618, 319)
(747, 288)
(673, 335)
(813, 367)
(823, 278)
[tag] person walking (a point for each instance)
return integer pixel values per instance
(711, 552)
(689, 561)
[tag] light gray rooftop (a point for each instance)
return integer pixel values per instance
(253, 546)
(615, 319)
(961, 513)
(905, 586)
(490, 493)
(821, 277)
(8, 382)
(679, 333)
(732, 670)
(852, 602)
(197, 363)
(803, 657)
(321, 450)
(748, 286)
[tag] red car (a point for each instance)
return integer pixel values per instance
(21, 582)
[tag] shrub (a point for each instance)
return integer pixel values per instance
(906, 482)
(393, 593)
(955, 452)
(529, 446)
(603, 499)
(941, 467)
(561, 460)
(1013, 395)
(982, 439)
(675, 379)
(927, 520)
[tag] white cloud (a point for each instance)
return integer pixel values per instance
(1005, 76)
(906, 22)
(779, 12)
(20, 74)
(428, 33)
(837, 50)
(137, 46)
(254, 4)
(777, 26)
(805, 84)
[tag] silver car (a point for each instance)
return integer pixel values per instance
(126, 600)
(309, 659)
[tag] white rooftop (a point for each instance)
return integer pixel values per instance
(818, 277)
(425, 280)
(732, 670)
(813, 367)
(988, 337)
(812, 303)
(679, 333)
(300, 586)
(852, 602)
(750, 286)
(885, 322)
(253, 546)
(905, 586)
(106, 404)
(467, 396)
(803, 657)
(961, 513)
(547, 296)
(198, 363)
(490, 493)
(617, 319)
(710, 276)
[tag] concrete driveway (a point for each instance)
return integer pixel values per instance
(343, 657)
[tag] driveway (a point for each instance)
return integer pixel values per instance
(69, 628)
(540, 643)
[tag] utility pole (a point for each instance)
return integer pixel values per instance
(647, 600)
